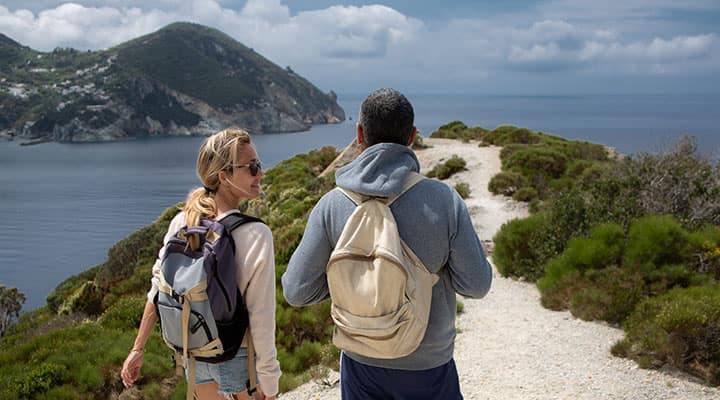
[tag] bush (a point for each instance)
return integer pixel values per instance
(525, 194)
(680, 328)
(654, 241)
(522, 247)
(611, 295)
(419, 143)
(678, 182)
(602, 249)
(86, 299)
(125, 314)
(506, 183)
(443, 171)
(39, 380)
(458, 130)
(537, 160)
(506, 134)
(463, 189)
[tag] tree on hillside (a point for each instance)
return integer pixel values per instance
(11, 301)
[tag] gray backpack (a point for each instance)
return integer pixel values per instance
(202, 313)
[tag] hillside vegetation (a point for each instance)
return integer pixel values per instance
(632, 241)
(183, 79)
(75, 345)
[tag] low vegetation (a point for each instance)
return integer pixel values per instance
(463, 189)
(458, 130)
(447, 169)
(75, 345)
(634, 242)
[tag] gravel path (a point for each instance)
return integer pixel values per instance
(508, 346)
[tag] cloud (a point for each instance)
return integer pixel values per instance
(74, 25)
(367, 46)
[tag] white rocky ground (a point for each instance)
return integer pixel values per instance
(508, 346)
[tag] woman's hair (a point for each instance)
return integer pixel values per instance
(217, 153)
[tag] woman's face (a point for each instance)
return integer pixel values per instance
(242, 184)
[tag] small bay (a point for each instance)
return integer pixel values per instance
(63, 205)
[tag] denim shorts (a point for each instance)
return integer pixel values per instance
(231, 375)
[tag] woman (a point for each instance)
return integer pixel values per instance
(230, 171)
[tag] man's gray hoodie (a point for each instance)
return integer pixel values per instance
(433, 221)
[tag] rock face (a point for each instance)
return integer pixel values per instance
(184, 79)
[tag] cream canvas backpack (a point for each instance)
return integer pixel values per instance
(380, 289)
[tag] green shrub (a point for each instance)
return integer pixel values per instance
(705, 247)
(522, 247)
(419, 143)
(654, 241)
(680, 328)
(506, 134)
(506, 183)
(452, 166)
(458, 130)
(463, 189)
(86, 299)
(602, 249)
(56, 298)
(125, 314)
(611, 295)
(39, 380)
(537, 160)
(525, 194)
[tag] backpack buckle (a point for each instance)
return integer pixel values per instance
(177, 297)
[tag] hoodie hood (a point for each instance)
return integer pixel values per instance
(380, 170)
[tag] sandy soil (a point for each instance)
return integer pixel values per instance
(508, 346)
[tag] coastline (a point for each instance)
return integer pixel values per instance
(508, 346)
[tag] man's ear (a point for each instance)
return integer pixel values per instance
(412, 137)
(359, 135)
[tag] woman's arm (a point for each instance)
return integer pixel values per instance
(131, 367)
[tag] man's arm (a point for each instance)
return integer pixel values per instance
(469, 269)
(304, 282)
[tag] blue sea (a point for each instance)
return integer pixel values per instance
(63, 205)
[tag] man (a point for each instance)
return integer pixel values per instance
(432, 219)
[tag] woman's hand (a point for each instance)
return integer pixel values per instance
(262, 395)
(131, 367)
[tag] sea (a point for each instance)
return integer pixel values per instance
(63, 205)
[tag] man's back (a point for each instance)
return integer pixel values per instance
(432, 220)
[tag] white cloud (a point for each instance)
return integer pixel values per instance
(350, 46)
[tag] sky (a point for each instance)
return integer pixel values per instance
(543, 47)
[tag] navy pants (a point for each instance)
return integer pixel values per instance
(363, 382)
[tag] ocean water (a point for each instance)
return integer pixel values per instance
(63, 205)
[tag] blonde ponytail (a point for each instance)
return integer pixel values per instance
(217, 153)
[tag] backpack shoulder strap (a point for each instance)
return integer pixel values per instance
(234, 220)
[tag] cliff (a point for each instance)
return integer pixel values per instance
(185, 79)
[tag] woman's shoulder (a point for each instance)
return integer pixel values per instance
(256, 229)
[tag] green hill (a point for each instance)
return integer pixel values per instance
(183, 79)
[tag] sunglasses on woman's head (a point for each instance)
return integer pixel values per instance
(254, 166)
